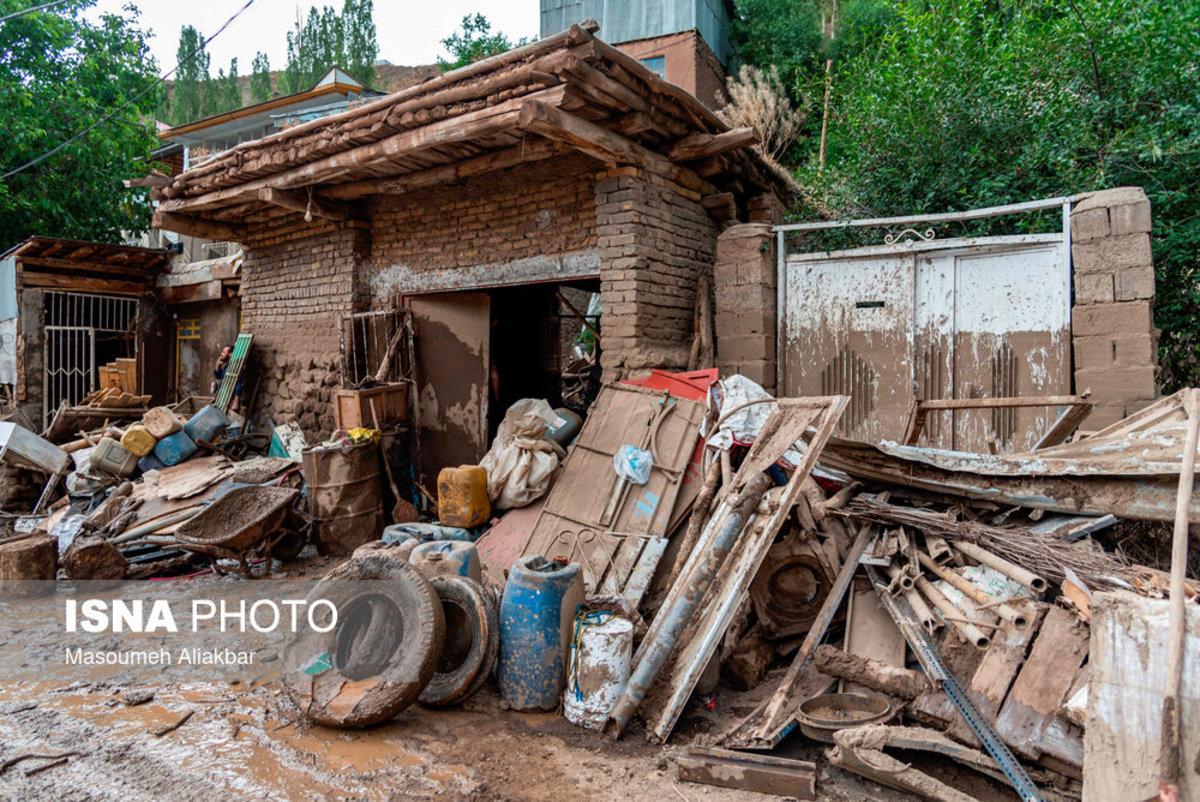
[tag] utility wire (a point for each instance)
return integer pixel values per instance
(31, 10)
(36, 161)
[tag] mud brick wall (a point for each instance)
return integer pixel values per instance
(654, 241)
(296, 285)
(512, 226)
(1112, 322)
(744, 279)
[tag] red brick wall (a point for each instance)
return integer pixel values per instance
(543, 210)
(654, 240)
(688, 61)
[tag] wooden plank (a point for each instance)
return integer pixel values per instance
(298, 201)
(701, 146)
(197, 227)
(760, 773)
(1039, 690)
(552, 123)
(997, 670)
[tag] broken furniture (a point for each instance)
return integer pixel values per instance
(24, 449)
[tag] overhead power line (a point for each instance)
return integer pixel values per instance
(36, 161)
(31, 10)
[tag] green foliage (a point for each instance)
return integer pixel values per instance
(473, 42)
(227, 90)
(964, 103)
(260, 78)
(328, 39)
(783, 33)
(59, 74)
(191, 78)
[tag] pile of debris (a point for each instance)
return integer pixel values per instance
(691, 530)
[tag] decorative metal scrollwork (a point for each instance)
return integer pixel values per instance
(912, 234)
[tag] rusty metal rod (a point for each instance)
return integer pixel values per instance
(974, 592)
(972, 633)
(710, 552)
(1016, 573)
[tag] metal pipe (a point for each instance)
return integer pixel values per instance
(974, 592)
(654, 653)
(907, 589)
(951, 613)
(900, 577)
(1016, 573)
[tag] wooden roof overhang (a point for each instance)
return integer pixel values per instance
(567, 93)
(82, 266)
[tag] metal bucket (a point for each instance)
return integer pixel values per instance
(599, 668)
(343, 495)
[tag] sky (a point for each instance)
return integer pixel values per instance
(409, 31)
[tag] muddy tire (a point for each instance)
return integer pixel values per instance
(380, 654)
(472, 641)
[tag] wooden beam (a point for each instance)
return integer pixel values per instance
(197, 227)
(300, 202)
(451, 130)
(552, 123)
(764, 774)
(147, 181)
(83, 283)
(190, 293)
(53, 263)
(496, 160)
(720, 207)
(701, 146)
(634, 123)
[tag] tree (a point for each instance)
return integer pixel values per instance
(191, 78)
(260, 78)
(758, 100)
(228, 89)
(965, 103)
(473, 42)
(328, 39)
(61, 73)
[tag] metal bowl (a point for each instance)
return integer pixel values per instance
(821, 716)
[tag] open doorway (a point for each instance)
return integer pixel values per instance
(478, 352)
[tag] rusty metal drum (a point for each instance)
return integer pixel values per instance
(344, 496)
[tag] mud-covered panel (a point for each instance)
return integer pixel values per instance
(1012, 339)
(848, 327)
(452, 342)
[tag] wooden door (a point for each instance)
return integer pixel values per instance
(452, 343)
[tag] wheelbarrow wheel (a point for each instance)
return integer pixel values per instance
(381, 652)
(472, 641)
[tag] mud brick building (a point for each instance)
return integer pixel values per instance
(475, 198)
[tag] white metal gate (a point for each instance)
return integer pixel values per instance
(72, 321)
(925, 319)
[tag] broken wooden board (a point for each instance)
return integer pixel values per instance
(760, 773)
(1042, 685)
(997, 670)
(1127, 669)
(500, 546)
(595, 518)
(870, 631)
(731, 586)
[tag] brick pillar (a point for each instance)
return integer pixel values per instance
(745, 306)
(654, 240)
(1112, 323)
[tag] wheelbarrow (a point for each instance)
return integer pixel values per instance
(236, 523)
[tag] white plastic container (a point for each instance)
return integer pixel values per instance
(598, 672)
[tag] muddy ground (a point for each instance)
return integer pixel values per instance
(246, 740)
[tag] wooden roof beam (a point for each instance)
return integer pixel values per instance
(701, 146)
(198, 227)
(307, 203)
(552, 123)
(535, 150)
(450, 130)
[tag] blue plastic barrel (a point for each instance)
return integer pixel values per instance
(428, 532)
(207, 424)
(175, 448)
(540, 602)
(447, 557)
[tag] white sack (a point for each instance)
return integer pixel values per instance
(522, 462)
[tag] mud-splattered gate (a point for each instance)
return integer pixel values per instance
(924, 318)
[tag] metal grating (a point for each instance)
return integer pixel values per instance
(101, 313)
(1004, 385)
(848, 374)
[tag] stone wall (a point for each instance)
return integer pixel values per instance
(744, 279)
(1112, 322)
(654, 241)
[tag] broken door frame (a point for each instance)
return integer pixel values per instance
(905, 237)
